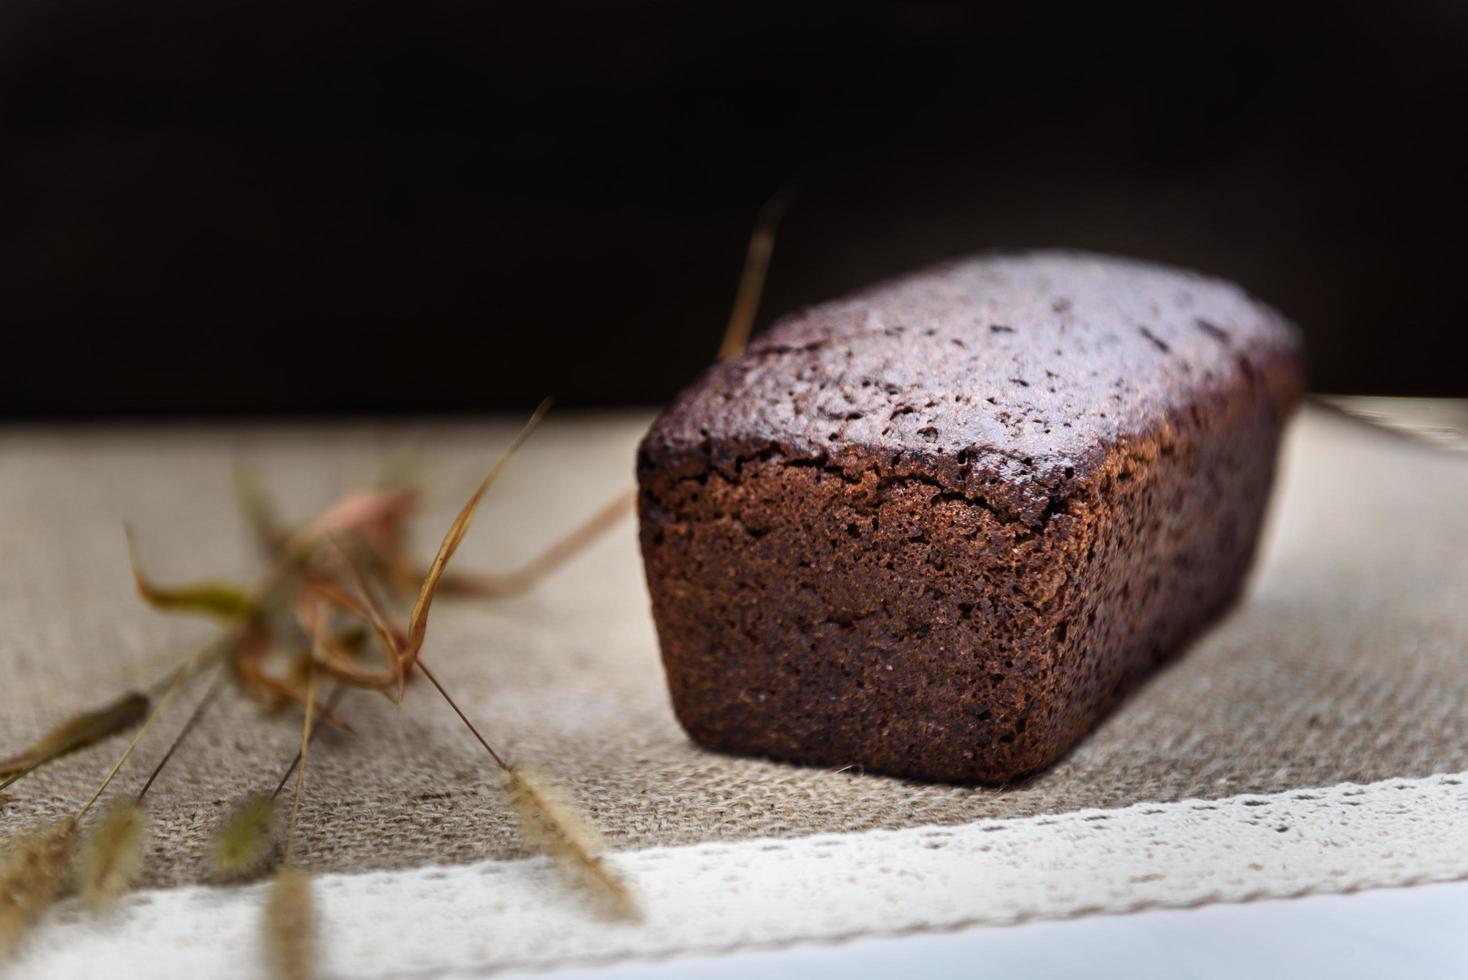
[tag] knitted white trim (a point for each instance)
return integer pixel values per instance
(759, 893)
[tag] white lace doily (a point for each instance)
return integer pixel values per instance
(759, 893)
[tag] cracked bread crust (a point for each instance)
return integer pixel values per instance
(867, 543)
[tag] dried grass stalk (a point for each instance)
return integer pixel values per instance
(290, 925)
(328, 654)
(301, 757)
(259, 511)
(551, 821)
(528, 576)
(250, 654)
(418, 619)
(752, 279)
(181, 677)
(78, 732)
(211, 598)
(112, 855)
(246, 841)
(31, 871)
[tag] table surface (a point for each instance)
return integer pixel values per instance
(1406, 930)
(1416, 931)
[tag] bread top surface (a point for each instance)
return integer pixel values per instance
(1009, 376)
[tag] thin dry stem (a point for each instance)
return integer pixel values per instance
(418, 621)
(258, 510)
(331, 703)
(250, 653)
(188, 727)
(290, 925)
(112, 855)
(330, 656)
(369, 609)
(17, 777)
(525, 578)
(389, 635)
(752, 279)
(551, 821)
(181, 677)
(498, 759)
(290, 833)
(31, 870)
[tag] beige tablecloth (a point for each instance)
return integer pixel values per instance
(1347, 661)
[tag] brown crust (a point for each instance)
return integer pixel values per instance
(960, 590)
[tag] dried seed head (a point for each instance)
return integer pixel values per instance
(246, 842)
(31, 869)
(78, 732)
(290, 925)
(112, 855)
(551, 822)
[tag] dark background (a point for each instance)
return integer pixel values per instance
(349, 205)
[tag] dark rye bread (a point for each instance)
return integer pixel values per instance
(939, 528)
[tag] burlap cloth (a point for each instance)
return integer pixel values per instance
(1348, 660)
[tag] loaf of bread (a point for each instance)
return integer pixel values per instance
(938, 529)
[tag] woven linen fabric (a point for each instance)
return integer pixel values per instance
(1347, 661)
